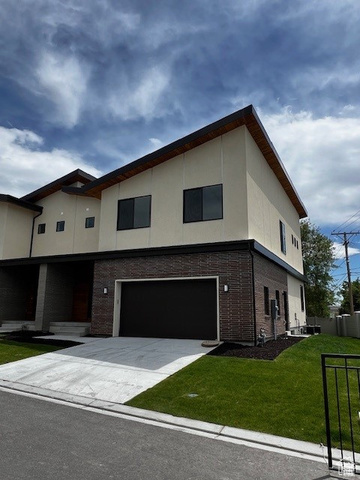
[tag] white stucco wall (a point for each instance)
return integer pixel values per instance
(220, 161)
(76, 238)
(268, 203)
(15, 231)
(297, 316)
(3, 216)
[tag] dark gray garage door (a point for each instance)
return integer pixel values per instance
(169, 309)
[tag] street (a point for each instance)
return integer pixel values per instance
(41, 440)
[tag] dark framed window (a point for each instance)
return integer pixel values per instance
(266, 301)
(90, 222)
(134, 213)
(302, 299)
(282, 237)
(41, 228)
(204, 203)
(277, 296)
(60, 226)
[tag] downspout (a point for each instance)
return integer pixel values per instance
(253, 293)
(32, 232)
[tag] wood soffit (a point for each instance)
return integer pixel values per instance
(69, 179)
(246, 116)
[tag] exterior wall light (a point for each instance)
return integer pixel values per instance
(226, 288)
(105, 290)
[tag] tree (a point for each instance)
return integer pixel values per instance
(319, 259)
(344, 292)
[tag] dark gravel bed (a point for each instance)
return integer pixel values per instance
(269, 351)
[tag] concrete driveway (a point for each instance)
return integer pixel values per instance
(111, 369)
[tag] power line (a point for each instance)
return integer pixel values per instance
(346, 221)
(346, 245)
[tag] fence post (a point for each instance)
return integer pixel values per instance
(345, 319)
(326, 404)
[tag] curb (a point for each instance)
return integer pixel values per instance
(263, 441)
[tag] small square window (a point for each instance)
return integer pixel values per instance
(60, 226)
(90, 222)
(41, 228)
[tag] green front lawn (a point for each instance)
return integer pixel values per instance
(282, 397)
(11, 351)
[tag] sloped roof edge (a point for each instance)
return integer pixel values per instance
(20, 203)
(72, 177)
(246, 116)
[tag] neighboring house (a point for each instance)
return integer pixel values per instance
(191, 241)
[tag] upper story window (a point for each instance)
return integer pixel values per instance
(41, 228)
(204, 203)
(282, 237)
(60, 226)
(90, 222)
(134, 213)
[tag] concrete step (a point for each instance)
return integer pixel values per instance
(79, 329)
(16, 325)
(17, 322)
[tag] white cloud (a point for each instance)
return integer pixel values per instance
(24, 167)
(156, 143)
(339, 251)
(143, 98)
(64, 82)
(322, 158)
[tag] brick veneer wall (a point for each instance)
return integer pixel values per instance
(234, 269)
(270, 275)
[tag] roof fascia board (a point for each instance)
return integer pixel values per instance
(290, 188)
(20, 203)
(247, 116)
(58, 184)
(171, 150)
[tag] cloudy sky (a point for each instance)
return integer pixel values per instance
(94, 84)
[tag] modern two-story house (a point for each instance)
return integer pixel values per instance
(191, 241)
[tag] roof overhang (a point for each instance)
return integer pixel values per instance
(247, 116)
(20, 203)
(65, 181)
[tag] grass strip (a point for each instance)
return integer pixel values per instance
(282, 397)
(11, 351)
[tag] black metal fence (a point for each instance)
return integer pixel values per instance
(341, 384)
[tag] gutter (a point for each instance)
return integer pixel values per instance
(253, 293)
(32, 232)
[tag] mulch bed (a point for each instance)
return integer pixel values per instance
(27, 336)
(269, 351)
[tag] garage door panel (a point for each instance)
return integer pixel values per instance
(169, 309)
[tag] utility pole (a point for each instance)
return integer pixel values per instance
(346, 245)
